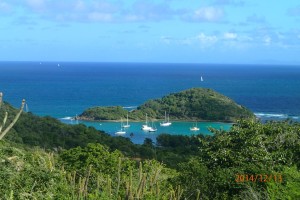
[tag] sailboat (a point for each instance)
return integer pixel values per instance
(145, 126)
(201, 78)
(152, 128)
(126, 125)
(121, 131)
(166, 123)
(194, 128)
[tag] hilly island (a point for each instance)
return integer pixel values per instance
(196, 104)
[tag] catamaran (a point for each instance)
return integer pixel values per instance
(166, 123)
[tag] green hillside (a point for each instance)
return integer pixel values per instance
(191, 104)
(42, 158)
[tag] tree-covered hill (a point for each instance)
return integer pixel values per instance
(49, 133)
(191, 104)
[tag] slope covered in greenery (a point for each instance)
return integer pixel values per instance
(51, 134)
(250, 161)
(192, 104)
(92, 172)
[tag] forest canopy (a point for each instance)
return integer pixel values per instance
(192, 104)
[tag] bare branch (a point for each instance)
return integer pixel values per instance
(2, 134)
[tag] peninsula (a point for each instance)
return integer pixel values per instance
(196, 104)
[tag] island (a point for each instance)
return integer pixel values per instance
(195, 104)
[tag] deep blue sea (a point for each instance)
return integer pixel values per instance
(64, 89)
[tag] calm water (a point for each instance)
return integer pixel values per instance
(272, 92)
(137, 135)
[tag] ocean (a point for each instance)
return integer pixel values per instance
(64, 89)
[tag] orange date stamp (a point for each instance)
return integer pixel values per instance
(240, 178)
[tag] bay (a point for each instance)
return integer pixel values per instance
(272, 92)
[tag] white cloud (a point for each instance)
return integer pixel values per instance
(132, 18)
(98, 16)
(208, 14)
(98, 10)
(204, 39)
(79, 6)
(256, 19)
(149, 11)
(113, 11)
(36, 4)
(166, 40)
(230, 36)
(204, 14)
(267, 40)
(229, 2)
(5, 7)
(207, 39)
(104, 6)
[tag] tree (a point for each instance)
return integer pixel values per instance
(5, 131)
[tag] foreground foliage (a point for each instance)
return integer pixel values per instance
(36, 174)
(249, 148)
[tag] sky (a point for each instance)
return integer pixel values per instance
(162, 31)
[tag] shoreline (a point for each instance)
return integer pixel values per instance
(155, 120)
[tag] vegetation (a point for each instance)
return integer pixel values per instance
(41, 158)
(104, 113)
(192, 104)
(36, 174)
(249, 148)
(7, 128)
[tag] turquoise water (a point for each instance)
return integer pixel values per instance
(177, 128)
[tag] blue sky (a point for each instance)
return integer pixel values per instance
(210, 31)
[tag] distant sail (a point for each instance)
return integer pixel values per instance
(201, 78)
(26, 108)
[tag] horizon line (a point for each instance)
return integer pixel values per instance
(139, 62)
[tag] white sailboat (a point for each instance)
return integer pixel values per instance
(121, 131)
(145, 126)
(194, 128)
(152, 128)
(126, 125)
(201, 78)
(166, 122)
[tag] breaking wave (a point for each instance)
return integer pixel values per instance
(276, 116)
